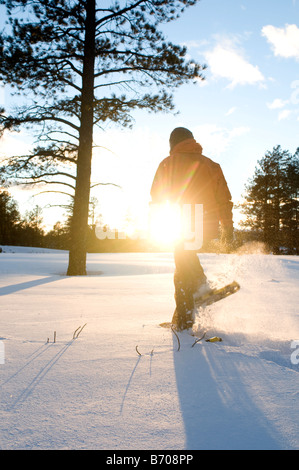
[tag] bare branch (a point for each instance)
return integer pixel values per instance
(58, 192)
(104, 184)
(48, 182)
(58, 173)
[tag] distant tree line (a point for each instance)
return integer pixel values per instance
(28, 230)
(79, 65)
(271, 202)
(16, 229)
(270, 207)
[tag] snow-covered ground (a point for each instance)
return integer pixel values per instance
(96, 392)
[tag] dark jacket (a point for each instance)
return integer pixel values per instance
(188, 177)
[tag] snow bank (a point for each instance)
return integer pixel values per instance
(96, 392)
(28, 249)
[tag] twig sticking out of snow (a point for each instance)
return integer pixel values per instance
(151, 353)
(81, 330)
(198, 339)
(78, 331)
(174, 332)
(74, 334)
(54, 338)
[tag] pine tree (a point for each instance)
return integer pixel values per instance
(9, 219)
(82, 63)
(290, 208)
(271, 199)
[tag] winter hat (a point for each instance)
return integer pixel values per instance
(178, 135)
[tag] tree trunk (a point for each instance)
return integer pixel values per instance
(79, 225)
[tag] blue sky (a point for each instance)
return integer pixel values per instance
(248, 103)
(250, 100)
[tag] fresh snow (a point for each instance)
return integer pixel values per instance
(96, 392)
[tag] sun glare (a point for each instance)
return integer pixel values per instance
(165, 224)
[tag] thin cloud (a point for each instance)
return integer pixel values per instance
(284, 114)
(284, 41)
(215, 140)
(231, 111)
(226, 61)
(277, 104)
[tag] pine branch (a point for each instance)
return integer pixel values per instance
(118, 13)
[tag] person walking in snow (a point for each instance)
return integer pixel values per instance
(186, 176)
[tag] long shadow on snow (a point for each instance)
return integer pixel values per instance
(11, 289)
(291, 264)
(37, 378)
(113, 270)
(132, 269)
(217, 409)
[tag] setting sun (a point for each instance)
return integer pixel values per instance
(165, 223)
